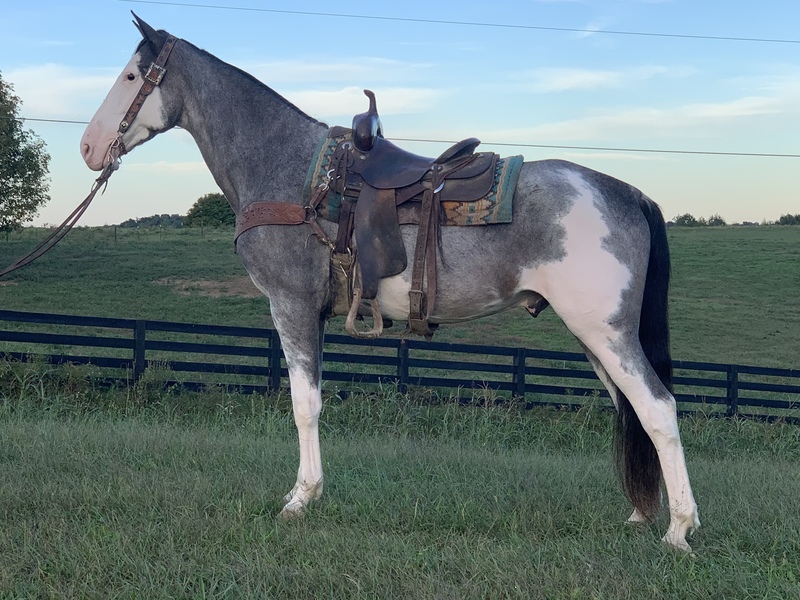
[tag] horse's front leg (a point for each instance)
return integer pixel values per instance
(306, 405)
(301, 339)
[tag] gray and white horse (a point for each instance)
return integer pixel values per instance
(594, 247)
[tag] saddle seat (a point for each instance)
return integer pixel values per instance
(384, 165)
(387, 166)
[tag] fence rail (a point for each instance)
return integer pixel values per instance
(250, 360)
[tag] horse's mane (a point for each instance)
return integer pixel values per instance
(250, 78)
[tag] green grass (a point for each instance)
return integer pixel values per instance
(121, 495)
(138, 493)
(731, 299)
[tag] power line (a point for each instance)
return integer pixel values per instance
(608, 149)
(523, 145)
(472, 23)
(23, 119)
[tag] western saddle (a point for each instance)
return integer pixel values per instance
(380, 187)
(383, 186)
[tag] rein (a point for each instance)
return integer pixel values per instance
(59, 232)
(152, 78)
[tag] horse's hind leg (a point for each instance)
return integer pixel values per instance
(614, 393)
(623, 359)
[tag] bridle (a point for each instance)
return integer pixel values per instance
(152, 78)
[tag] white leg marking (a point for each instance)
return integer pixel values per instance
(585, 289)
(659, 419)
(306, 404)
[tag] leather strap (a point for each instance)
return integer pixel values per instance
(269, 213)
(422, 296)
(424, 269)
(155, 73)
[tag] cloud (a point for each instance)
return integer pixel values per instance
(327, 104)
(690, 120)
(591, 29)
(548, 80)
(57, 91)
(358, 69)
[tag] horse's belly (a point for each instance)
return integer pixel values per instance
(393, 297)
(393, 300)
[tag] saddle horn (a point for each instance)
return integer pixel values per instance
(367, 126)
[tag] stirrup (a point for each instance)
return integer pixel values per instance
(377, 319)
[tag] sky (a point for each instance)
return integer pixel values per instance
(515, 74)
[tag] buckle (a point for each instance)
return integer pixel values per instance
(155, 73)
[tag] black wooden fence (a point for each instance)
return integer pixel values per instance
(250, 360)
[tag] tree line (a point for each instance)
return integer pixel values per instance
(210, 210)
(715, 220)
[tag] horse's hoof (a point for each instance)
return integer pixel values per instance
(636, 518)
(288, 497)
(292, 512)
(679, 545)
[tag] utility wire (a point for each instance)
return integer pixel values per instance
(523, 145)
(471, 23)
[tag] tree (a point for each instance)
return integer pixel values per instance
(789, 219)
(23, 165)
(165, 220)
(686, 220)
(716, 220)
(211, 210)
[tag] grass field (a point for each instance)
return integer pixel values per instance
(103, 496)
(137, 493)
(731, 300)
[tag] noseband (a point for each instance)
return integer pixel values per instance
(152, 78)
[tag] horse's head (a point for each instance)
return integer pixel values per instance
(135, 108)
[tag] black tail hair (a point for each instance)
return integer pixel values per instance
(637, 461)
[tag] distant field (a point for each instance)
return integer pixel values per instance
(734, 293)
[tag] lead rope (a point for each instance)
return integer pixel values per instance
(59, 232)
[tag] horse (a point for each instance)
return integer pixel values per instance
(593, 247)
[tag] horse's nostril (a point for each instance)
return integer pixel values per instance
(86, 149)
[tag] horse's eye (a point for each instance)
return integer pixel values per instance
(130, 76)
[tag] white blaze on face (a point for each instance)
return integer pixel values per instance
(104, 126)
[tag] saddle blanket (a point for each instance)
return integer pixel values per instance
(494, 208)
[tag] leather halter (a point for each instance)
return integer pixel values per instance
(152, 78)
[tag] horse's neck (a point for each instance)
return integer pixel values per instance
(257, 146)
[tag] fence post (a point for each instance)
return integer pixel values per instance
(733, 390)
(139, 335)
(519, 373)
(274, 383)
(402, 366)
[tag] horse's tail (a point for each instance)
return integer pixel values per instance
(636, 457)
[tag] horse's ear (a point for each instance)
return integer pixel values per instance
(148, 33)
